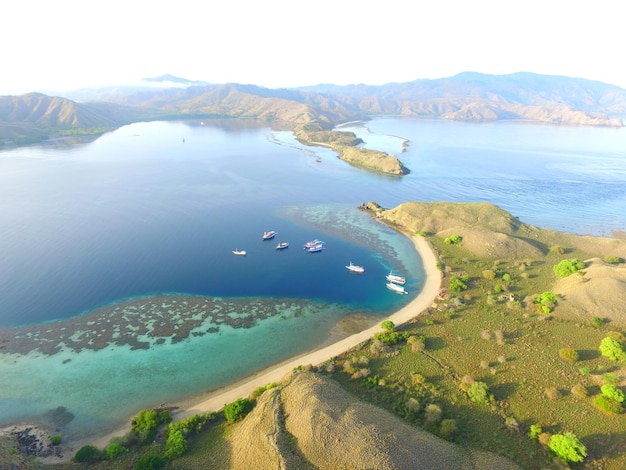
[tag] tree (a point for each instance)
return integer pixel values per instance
(612, 349)
(88, 454)
(388, 325)
(453, 240)
(115, 449)
(546, 301)
(237, 410)
(568, 266)
(151, 462)
(567, 447)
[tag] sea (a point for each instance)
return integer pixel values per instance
(118, 286)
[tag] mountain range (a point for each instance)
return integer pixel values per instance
(467, 96)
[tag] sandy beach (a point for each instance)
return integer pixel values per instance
(243, 388)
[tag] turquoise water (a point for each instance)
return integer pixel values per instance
(118, 288)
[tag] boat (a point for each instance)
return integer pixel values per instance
(239, 252)
(313, 243)
(396, 279)
(396, 288)
(355, 269)
(315, 248)
(282, 246)
(269, 235)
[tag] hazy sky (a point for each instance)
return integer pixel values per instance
(49, 45)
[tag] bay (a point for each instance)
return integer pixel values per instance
(118, 288)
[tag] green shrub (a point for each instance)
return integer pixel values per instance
(569, 354)
(88, 454)
(113, 450)
(388, 325)
(453, 240)
(567, 447)
(611, 378)
(613, 260)
(457, 285)
(597, 322)
(151, 462)
(557, 250)
(391, 337)
(535, 431)
(237, 410)
(546, 301)
(568, 266)
(448, 428)
(608, 405)
(613, 349)
(478, 392)
(56, 440)
(611, 391)
(176, 445)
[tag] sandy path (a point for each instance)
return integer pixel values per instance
(243, 388)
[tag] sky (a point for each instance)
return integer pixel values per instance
(59, 45)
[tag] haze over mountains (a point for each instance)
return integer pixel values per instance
(468, 96)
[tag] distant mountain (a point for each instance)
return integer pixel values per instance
(468, 96)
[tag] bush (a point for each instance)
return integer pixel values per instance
(457, 285)
(145, 424)
(569, 354)
(535, 431)
(611, 391)
(478, 392)
(567, 447)
(613, 260)
(448, 428)
(597, 322)
(611, 378)
(579, 391)
(568, 267)
(113, 450)
(453, 240)
(489, 274)
(176, 445)
(392, 337)
(613, 349)
(151, 462)
(608, 405)
(432, 413)
(88, 454)
(56, 440)
(388, 325)
(237, 410)
(417, 343)
(546, 301)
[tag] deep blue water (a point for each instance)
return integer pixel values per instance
(140, 212)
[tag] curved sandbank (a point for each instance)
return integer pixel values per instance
(243, 388)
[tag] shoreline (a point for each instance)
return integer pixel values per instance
(216, 399)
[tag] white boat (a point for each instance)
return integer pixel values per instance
(239, 252)
(313, 243)
(315, 248)
(396, 288)
(269, 235)
(396, 279)
(355, 269)
(282, 246)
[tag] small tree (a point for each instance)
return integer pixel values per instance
(612, 349)
(388, 325)
(448, 428)
(88, 454)
(546, 301)
(151, 462)
(113, 450)
(457, 284)
(453, 240)
(608, 405)
(535, 431)
(567, 447)
(237, 410)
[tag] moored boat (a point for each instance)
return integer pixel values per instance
(269, 235)
(396, 288)
(313, 243)
(355, 269)
(239, 252)
(282, 246)
(396, 279)
(315, 248)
